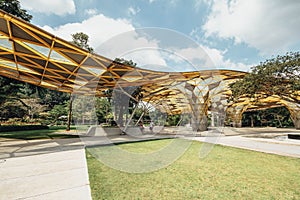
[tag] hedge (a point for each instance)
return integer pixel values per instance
(22, 128)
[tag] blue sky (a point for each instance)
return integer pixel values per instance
(235, 34)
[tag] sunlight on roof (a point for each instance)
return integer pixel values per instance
(95, 71)
(25, 69)
(5, 43)
(43, 83)
(40, 49)
(8, 63)
(58, 57)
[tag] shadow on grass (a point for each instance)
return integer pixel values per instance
(112, 143)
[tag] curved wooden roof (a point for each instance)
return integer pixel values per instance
(30, 54)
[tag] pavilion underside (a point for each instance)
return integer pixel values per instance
(32, 55)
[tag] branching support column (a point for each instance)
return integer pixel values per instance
(295, 114)
(235, 113)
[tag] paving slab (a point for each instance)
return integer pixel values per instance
(57, 175)
(284, 148)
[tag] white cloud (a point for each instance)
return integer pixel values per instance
(271, 26)
(133, 46)
(91, 12)
(113, 38)
(133, 11)
(118, 38)
(204, 57)
(220, 62)
(99, 28)
(57, 7)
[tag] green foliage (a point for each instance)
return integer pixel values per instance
(52, 98)
(274, 117)
(126, 62)
(9, 88)
(12, 109)
(172, 120)
(84, 110)
(81, 40)
(103, 110)
(277, 76)
(57, 112)
(22, 128)
(13, 7)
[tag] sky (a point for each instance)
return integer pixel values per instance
(178, 35)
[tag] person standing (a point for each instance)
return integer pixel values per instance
(151, 126)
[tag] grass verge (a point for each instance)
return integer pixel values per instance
(226, 173)
(57, 132)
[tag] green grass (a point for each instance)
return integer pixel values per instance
(53, 132)
(226, 173)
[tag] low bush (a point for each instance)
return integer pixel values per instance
(22, 128)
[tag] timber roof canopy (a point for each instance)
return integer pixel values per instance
(30, 54)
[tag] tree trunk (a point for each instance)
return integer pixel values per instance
(70, 113)
(237, 123)
(120, 118)
(297, 123)
(212, 119)
(280, 124)
(199, 124)
(106, 112)
(252, 121)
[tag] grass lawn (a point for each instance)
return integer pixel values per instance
(226, 173)
(52, 132)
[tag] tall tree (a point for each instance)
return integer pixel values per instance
(81, 40)
(125, 98)
(278, 76)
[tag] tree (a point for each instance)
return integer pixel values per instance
(34, 107)
(275, 117)
(12, 109)
(13, 7)
(125, 98)
(9, 89)
(278, 76)
(81, 40)
(125, 62)
(56, 112)
(103, 109)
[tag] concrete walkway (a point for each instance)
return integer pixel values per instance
(43, 169)
(50, 168)
(262, 142)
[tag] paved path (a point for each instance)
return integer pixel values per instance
(285, 147)
(43, 170)
(49, 168)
